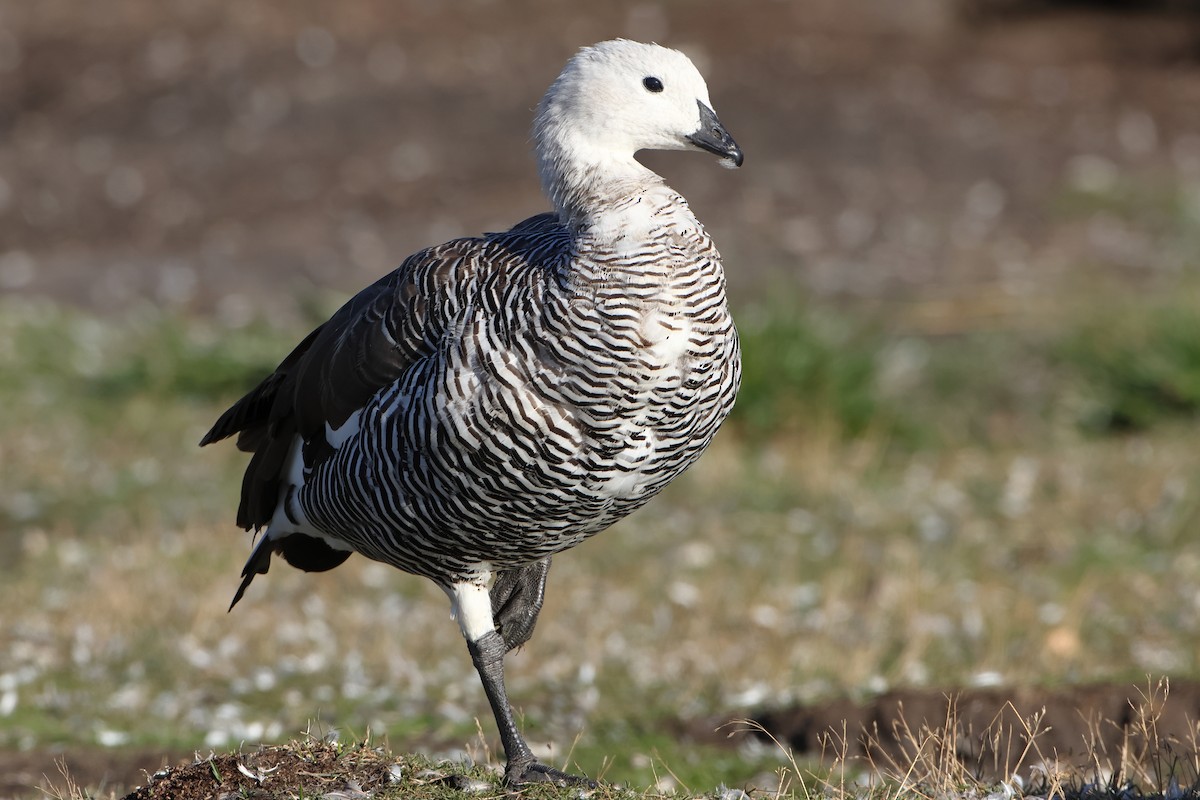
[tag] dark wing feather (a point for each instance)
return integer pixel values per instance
(248, 415)
(366, 345)
(323, 379)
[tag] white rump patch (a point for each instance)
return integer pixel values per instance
(290, 518)
(336, 437)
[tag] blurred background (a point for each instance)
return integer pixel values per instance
(196, 155)
(962, 254)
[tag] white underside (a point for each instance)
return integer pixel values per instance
(668, 339)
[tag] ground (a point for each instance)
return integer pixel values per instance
(947, 170)
(998, 731)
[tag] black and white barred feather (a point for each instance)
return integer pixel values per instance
(496, 400)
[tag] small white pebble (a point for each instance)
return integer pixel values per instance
(683, 594)
(216, 738)
(987, 678)
(469, 785)
(106, 737)
(429, 775)
(725, 793)
(765, 616)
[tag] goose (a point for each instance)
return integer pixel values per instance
(498, 399)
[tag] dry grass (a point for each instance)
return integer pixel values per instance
(930, 761)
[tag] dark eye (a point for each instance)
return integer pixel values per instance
(652, 84)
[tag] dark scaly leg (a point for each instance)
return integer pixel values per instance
(473, 607)
(488, 654)
(517, 596)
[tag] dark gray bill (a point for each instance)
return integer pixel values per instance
(713, 137)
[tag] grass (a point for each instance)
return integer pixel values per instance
(801, 368)
(928, 762)
(1138, 368)
(883, 510)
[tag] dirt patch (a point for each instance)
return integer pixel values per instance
(309, 769)
(214, 160)
(991, 726)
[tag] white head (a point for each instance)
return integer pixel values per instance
(614, 99)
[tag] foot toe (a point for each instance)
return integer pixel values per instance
(517, 775)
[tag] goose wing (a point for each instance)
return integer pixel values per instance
(366, 345)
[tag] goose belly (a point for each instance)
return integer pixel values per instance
(490, 456)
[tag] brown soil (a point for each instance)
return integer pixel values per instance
(312, 769)
(204, 156)
(993, 725)
(315, 767)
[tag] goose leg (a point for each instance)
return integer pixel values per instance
(473, 607)
(517, 596)
(487, 652)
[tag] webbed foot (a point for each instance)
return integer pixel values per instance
(535, 772)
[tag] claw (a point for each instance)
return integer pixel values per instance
(535, 772)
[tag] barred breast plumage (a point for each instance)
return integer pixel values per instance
(496, 400)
